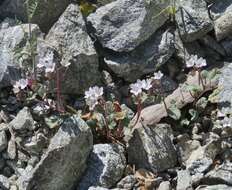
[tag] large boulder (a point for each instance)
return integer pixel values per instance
(75, 48)
(145, 58)
(214, 187)
(220, 174)
(45, 15)
(225, 95)
(124, 24)
(223, 25)
(11, 40)
(64, 161)
(106, 166)
(193, 19)
(152, 148)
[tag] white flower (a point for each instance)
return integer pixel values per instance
(158, 75)
(195, 62)
(47, 62)
(92, 95)
(91, 103)
(200, 63)
(136, 88)
(226, 122)
(20, 85)
(145, 84)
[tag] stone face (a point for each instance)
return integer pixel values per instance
(223, 25)
(152, 148)
(23, 120)
(69, 37)
(4, 182)
(184, 181)
(46, 13)
(3, 140)
(145, 58)
(214, 187)
(185, 148)
(165, 185)
(202, 158)
(225, 95)
(106, 165)
(220, 174)
(193, 20)
(65, 159)
(124, 24)
(127, 182)
(10, 39)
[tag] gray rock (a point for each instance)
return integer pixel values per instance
(64, 162)
(193, 20)
(145, 58)
(219, 7)
(106, 165)
(97, 188)
(151, 147)
(185, 147)
(124, 24)
(4, 182)
(214, 187)
(127, 182)
(223, 25)
(11, 149)
(220, 174)
(184, 180)
(202, 158)
(165, 185)
(225, 95)
(10, 40)
(69, 37)
(213, 44)
(23, 120)
(7, 22)
(227, 45)
(36, 143)
(3, 140)
(46, 13)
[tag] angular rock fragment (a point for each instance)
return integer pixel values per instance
(124, 24)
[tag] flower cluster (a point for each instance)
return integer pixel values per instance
(196, 62)
(92, 96)
(145, 84)
(47, 62)
(20, 85)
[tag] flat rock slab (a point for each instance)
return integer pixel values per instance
(152, 148)
(106, 166)
(65, 159)
(124, 24)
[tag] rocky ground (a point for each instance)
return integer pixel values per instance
(112, 43)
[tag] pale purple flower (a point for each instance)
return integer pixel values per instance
(226, 122)
(158, 75)
(92, 96)
(136, 88)
(20, 85)
(200, 63)
(145, 83)
(194, 61)
(47, 62)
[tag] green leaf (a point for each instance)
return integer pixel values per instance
(174, 112)
(204, 74)
(214, 97)
(201, 104)
(143, 97)
(194, 114)
(184, 122)
(112, 125)
(53, 121)
(86, 8)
